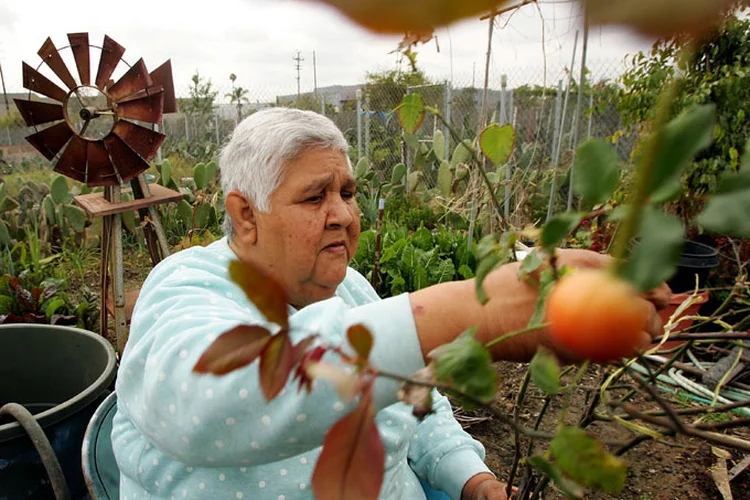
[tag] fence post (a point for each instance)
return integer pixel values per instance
(503, 120)
(367, 126)
(322, 104)
(555, 149)
(159, 128)
(218, 133)
(447, 115)
(359, 124)
(591, 114)
(10, 139)
(187, 129)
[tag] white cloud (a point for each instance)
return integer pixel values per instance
(256, 39)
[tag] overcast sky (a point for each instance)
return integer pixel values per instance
(257, 39)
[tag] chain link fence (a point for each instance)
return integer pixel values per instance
(541, 105)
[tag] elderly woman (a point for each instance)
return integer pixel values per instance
(290, 206)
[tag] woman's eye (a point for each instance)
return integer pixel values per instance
(315, 199)
(347, 195)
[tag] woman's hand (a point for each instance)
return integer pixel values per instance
(484, 487)
(442, 312)
(512, 303)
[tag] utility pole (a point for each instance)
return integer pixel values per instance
(5, 94)
(315, 74)
(298, 60)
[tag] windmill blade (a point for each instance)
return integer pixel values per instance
(72, 162)
(136, 79)
(162, 76)
(127, 162)
(145, 106)
(79, 44)
(37, 82)
(51, 140)
(143, 141)
(111, 54)
(99, 168)
(38, 113)
(51, 57)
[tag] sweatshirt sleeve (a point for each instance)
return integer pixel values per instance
(205, 420)
(442, 453)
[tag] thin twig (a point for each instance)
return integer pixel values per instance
(517, 436)
(670, 412)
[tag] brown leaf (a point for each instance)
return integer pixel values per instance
(234, 349)
(352, 463)
(263, 290)
(360, 339)
(276, 363)
(422, 16)
(417, 395)
(659, 17)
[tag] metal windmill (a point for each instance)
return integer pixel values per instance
(103, 133)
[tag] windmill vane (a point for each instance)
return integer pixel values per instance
(91, 131)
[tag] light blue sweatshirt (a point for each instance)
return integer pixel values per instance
(178, 435)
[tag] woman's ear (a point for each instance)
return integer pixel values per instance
(242, 212)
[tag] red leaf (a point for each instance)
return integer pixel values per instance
(263, 290)
(276, 363)
(234, 349)
(361, 340)
(352, 463)
(313, 355)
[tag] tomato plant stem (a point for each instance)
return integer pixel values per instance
(516, 333)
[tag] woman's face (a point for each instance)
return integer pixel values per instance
(312, 229)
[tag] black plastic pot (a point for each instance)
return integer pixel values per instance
(696, 259)
(60, 375)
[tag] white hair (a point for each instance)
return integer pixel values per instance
(252, 161)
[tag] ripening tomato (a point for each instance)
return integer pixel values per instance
(595, 315)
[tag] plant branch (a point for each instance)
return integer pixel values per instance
(668, 410)
(516, 333)
(517, 436)
(711, 336)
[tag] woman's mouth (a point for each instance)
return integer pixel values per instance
(337, 248)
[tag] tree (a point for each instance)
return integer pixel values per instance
(238, 97)
(202, 97)
(717, 74)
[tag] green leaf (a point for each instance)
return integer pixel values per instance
(76, 217)
(566, 485)
(128, 220)
(466, 365)
(497, 142)
(199, 176)
(422, 238)
(530, 263)
(233, 349)
(411, 140)
(465, 272)
(727, 210)
(59, 189)
(360, 339)
(461, 154)
(559, 227)
(445, 179)
(546, 283)
(166, 173)
(438, 144)
(585, 460)
(444, 271)
(185, 212)
(545, 371)
(211, 168)
(596, 171)
(657, 253)
(682, 138)
(7, 204)
(4, 235)
(361, 169)
(411, 113)
(264, 291)
(485, 267)
(398, 174)
(421, 279)
(48, 206)
(202, 214)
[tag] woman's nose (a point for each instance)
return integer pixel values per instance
(340, 212)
